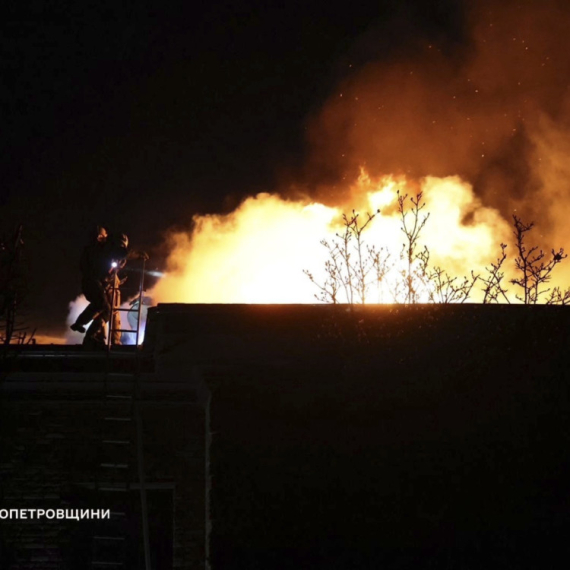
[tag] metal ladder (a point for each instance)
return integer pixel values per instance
(115, 310)
(121, 445)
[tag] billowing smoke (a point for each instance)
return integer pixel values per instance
(495, 111)
(482, 126)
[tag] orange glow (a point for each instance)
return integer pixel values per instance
(254, 255)
(483, 131)
(257, 253)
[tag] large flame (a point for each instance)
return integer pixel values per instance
(257, 253)
(480, 122)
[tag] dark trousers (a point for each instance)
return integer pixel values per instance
(98, 310)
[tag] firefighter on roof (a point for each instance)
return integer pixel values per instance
(100, 262)
(93, 284)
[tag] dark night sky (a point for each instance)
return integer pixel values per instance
(140, 116)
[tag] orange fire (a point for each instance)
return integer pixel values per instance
(257, 253)
(481, 127)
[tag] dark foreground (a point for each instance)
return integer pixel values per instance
(410, 437)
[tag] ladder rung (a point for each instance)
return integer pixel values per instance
(125, 310)
(124, 330)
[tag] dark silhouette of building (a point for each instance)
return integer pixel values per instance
(287, 436)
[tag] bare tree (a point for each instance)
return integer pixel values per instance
(558, 297)
(329, 290)
(352, 267)
(447, 289)
(492, 281)
(412, 223)
(439, 285)
(535, 270)
(380, 259)
(12, 290)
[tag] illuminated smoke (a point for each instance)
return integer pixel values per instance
(80, 303)
(495, 112)
(75, 308)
